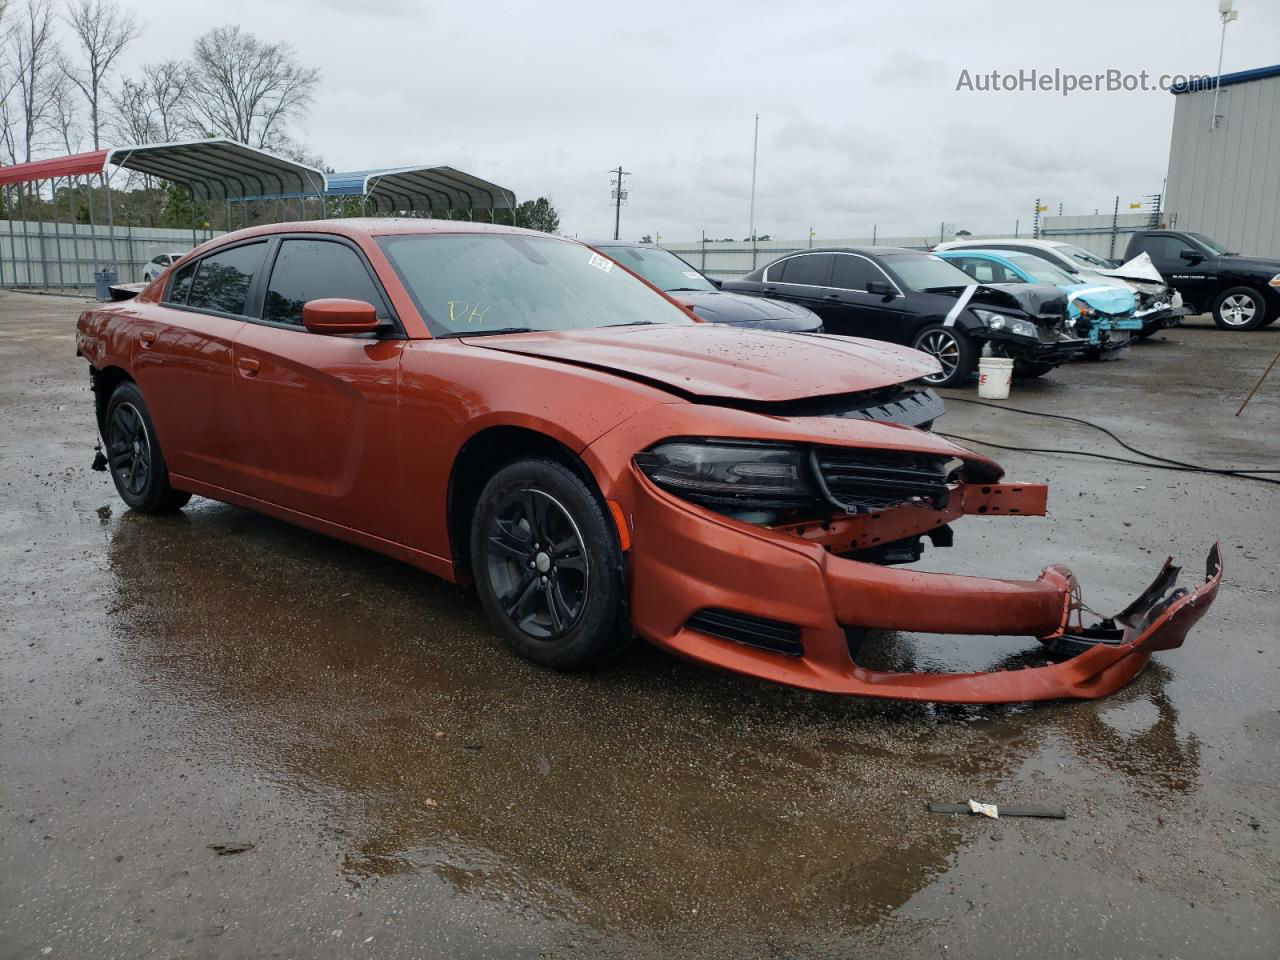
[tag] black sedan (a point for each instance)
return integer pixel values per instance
(703, 296)
(909, 297)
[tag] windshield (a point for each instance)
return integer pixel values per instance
(469, 283)
(922, 271)
(1041, 271)
(660, 267)
(1081, 255)
(1213, 246)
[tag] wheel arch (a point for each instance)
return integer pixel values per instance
(103, 381)
(481, 456)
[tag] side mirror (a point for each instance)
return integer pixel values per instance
(881, 288)
(335, 316)
(716, 283)
(1190, 255)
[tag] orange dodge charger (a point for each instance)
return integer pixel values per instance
(598, 462)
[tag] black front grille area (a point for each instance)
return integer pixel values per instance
(862, 481)
(772, 635)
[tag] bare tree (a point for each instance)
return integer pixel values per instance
(63, 116)
(247, 89)
(33, 56)
(102, 30)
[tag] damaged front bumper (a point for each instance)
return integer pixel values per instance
(776, 603)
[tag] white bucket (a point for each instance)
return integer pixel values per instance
(994, 377)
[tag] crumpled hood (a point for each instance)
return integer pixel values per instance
(723, 307)
(1139, 268)
(732, 363)
(1041, 300)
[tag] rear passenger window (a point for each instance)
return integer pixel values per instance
(181, 285)
(313, 270)
(222, 280)
(811, 269)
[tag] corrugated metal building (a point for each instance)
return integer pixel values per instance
(1224, 165)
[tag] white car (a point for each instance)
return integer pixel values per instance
(1159, 305)
(159, 264)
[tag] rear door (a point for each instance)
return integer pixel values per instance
(183, 361)
(317, 413)
(802, 279)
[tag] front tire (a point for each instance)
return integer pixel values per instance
(548, 566)
(1240, 308)
(134, 457)
(952, 349)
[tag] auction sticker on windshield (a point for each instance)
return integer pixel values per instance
(604, 263)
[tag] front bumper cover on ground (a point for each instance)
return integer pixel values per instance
(691, 565)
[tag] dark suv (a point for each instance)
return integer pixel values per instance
(905, 296)
(1243, 293)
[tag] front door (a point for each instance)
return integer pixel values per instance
(318, 413)
(853, 310)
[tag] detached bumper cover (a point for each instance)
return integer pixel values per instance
(687, 561)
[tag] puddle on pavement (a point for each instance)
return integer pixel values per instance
(649, 795)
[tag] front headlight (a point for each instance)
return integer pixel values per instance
(1000, 321)
(726, 474)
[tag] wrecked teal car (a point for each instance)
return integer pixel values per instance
(1104, 314)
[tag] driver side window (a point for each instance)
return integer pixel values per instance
(314, 270)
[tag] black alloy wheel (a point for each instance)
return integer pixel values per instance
(134, 459)
(548, 565)
(537, 564)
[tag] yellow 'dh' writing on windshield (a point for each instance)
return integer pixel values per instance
(458, 312)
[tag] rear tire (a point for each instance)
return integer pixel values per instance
(952, 349)
(134, 458)
(548, 566)
(1240, 308)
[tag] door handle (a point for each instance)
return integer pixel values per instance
(770, 289)
(148, 337)
(248, 366)
(831, 296)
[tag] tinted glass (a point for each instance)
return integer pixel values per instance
(812, 269)
(1059, 260)
(1083, 256)
(473, 283)
(660, 267)
(312, 270)
(981, 269)
(222, 282)
(1164, 249)
(923, 271)
(853, 273)
(1213, 246)
(1042, 271)
(181, 284)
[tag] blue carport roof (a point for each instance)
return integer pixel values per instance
(420, 188)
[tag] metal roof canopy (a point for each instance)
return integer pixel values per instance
(222, 170)
(1226, 79)
(420, 188)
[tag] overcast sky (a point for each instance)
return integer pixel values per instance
(860, 119)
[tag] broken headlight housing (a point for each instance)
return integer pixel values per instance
(762, 482)
(726, 474)
(1001, 321)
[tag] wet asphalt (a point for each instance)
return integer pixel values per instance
(412, 790)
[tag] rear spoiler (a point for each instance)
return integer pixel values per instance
(125, 291)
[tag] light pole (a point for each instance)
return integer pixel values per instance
(1227, 12)
(751, 216)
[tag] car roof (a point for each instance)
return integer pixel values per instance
(995, 254)
(979, 244)
(861, 251)
(385, 226)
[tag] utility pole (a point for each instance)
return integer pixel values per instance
(751, 217)
(618, 196)
(1227, 14)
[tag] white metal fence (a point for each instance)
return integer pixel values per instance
(1102, 234)
(57, 256)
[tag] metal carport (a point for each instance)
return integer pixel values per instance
(213, 170)
(423, 189)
